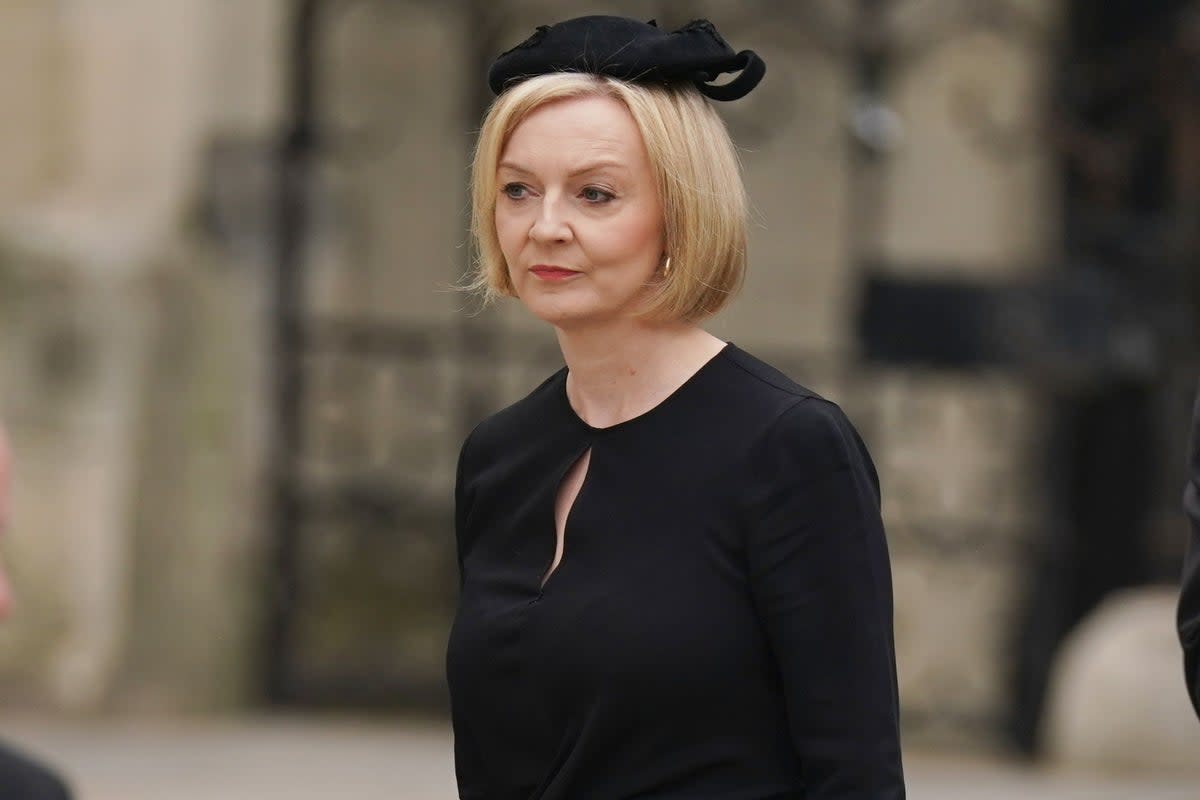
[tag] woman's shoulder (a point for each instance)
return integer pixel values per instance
(534, 412)
(767, 388)
(796, 422)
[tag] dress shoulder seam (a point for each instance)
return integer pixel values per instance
(795, 390)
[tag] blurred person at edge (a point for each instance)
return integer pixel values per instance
(674, 579)
(1189, 598)
(21, 778)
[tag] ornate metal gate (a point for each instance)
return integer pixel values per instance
(362, 569)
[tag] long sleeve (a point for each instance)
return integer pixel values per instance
(1189, 598)
(821, 580)
(462, 506)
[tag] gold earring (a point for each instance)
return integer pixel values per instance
(667, 267)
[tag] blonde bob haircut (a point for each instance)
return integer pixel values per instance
(695, 168)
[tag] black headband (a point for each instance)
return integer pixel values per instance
(631, 51)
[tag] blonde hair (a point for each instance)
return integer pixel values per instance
(695, 168)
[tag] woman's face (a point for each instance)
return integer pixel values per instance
(578, 214)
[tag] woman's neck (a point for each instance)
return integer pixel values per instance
(619, 372)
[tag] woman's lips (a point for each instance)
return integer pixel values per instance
(552, 273)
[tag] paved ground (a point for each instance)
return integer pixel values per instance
(306, 759)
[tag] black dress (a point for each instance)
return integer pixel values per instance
(720, 626)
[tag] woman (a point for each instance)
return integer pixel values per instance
(674, 580)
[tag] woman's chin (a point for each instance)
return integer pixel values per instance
(567, 312)
(562, 317)
(561, 312)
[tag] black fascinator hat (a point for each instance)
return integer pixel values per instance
(632, 51)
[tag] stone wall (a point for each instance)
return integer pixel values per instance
(134, 298)
(968, 194)
(129, 358)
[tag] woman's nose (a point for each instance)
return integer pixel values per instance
(551, 224)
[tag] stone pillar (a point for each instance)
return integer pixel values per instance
(967, 195)
(131, 113)
(74, 353)
(31, 141)
(115, 122)
(88, 481)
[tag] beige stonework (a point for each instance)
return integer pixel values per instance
(31, 94)
(118, 120)
(953, 617)
(245, 63)
(969, 192)
(131, 122)
(73, 398)
(132, 350)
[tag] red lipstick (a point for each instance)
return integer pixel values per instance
(549, 272)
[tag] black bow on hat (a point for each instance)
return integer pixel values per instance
(632, 51)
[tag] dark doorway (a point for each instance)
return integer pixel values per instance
(1123, 126)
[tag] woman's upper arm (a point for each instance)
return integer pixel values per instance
(819, 571)
(462, 502)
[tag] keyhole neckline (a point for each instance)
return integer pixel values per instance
(648, 413)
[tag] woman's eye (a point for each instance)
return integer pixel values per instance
(593, 195)
(514, 190)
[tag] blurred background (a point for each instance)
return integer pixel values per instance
(236, 374)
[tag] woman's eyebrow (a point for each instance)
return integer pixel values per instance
(511, 167)
(590, 166)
